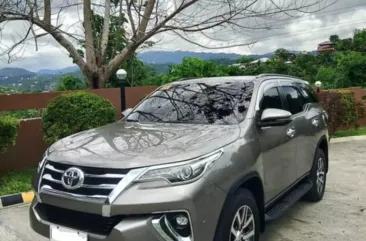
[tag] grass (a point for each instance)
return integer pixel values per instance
(14, 182)
(354, 132)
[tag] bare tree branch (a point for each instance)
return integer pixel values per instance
(104, 43)
(213, 47)
(167, 19)
(35, 36)
(89, 38)
(47, 11)
(18, 43)
(130, 17)
(145, 18)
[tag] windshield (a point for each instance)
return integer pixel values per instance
(196, 103)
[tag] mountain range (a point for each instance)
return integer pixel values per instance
(160, 60)
(58, 71)
(149, 57)
(175, 57)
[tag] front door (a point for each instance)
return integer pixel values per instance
(278, 147)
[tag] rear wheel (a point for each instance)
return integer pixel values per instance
(239, 220)
(318, 177)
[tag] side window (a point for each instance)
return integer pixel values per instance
(271, 99)
(294, 99)
(308, 93)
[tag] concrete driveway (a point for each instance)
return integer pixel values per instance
(340, 216)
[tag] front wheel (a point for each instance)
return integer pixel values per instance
(239, 220)
(318, 177)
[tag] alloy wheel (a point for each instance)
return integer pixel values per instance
(243, 225)
(320, 174)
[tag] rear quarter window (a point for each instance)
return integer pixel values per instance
(308, 93)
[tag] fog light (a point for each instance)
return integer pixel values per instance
(181, 220)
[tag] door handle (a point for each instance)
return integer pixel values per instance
(291, 132)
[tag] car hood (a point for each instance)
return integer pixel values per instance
(130, 145)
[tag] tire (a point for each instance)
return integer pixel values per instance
(242, 201)
(316, 193)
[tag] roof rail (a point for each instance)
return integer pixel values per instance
(282, 75)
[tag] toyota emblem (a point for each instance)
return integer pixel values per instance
(72, 178)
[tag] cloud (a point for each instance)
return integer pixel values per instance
(303, 33)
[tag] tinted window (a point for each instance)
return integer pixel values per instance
(308, 93)
(294, 99)
(200, 103)
(271, 99)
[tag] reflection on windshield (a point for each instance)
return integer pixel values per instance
(199, 103)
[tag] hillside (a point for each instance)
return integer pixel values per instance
(14, 75)
(24, 80)
(175, 57)
(58, 71)
(10, 72)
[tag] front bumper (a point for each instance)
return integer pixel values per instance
(142, 208)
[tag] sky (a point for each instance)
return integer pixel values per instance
(301, 34)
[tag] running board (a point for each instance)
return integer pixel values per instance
(287, 201)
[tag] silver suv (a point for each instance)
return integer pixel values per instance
(208, 159)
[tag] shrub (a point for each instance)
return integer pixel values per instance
(21, 114)
(342, 108)
(350, 110)
(71, 113)
(361, 110)
(8, 131)
(71, 83)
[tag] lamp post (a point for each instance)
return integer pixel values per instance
(121, 76)
(318, 84)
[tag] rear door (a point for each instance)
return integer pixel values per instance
(278, 149)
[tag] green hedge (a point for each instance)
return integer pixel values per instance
(8, 131)
(71, 113)
(342, 108)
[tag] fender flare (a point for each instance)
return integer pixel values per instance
(238, 183)
(260, 202)
(323, 138)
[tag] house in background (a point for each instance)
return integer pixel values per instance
(326, 46)
(258, 61)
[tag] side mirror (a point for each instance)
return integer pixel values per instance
(126, 112)
(275, 117)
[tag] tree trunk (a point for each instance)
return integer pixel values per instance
(96, 79)
(102, 78)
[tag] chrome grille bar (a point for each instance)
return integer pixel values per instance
(52, 168)
(108, 175)
(98, 182)
(48, 177)
(100, 186)
(49, 189)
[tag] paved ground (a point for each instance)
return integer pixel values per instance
(340, 216)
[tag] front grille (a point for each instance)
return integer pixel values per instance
(86, 222)
(98, 182)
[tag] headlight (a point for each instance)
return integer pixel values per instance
(41, 163)
(179, 173)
